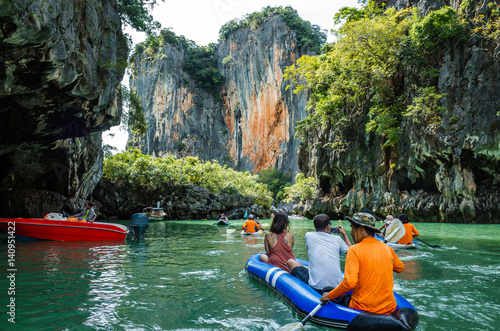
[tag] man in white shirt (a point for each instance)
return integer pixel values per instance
(324, 251)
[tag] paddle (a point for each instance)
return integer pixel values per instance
(229, 231)
(433, 246)
(395, 231)
(372, 213)
(263, 225)
(300, 325)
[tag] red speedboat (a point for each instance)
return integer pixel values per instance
(62, 230)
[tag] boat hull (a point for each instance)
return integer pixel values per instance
(414, 244)
(42, 229)
(303, 299)
(222, 223)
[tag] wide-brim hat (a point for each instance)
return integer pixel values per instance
(364, 219)
(250, 216)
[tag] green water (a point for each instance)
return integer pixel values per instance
(190, 276)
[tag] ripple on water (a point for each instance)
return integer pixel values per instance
(236, 323)
(201, 274)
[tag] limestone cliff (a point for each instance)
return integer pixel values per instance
(61, 65)
(248, 124)
(449, 173)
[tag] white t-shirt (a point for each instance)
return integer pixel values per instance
(324, 260)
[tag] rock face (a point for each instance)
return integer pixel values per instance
(61, 66)
(451, 173)
(248, 126)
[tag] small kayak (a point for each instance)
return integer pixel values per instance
(414, 244)
(244, 233)
(303, 299)
(222, 223)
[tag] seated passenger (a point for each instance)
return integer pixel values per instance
(323, 249)
(278, 243)
(250, 225)
(369, 268)
(410, 229)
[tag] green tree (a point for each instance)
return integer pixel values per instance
(308, 35)
(134, 112)
(275, 180)
(135, 14)
(303, 189)
(146, 172)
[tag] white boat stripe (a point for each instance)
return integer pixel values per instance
(269, 272)
(276, 276)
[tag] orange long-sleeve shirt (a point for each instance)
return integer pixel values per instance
(411, 232)
(368, 273)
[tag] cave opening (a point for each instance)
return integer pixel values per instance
(325, 184)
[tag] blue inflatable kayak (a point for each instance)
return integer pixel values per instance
(303, 299)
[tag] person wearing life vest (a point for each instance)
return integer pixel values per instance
(87, 212)
(250, 225)
(368, 273)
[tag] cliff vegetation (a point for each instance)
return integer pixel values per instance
(151, 173)
(386, 116)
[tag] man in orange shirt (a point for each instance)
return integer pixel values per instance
(250, 225)
(368, 271)
(410, 229)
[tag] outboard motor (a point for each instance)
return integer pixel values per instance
(138, 224)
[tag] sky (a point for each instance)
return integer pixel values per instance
(200, 21)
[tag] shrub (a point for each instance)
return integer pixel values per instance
(145, 171)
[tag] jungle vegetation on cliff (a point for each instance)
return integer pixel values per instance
(200, 61)
(308, 35)
(148, 172)
(362, 70)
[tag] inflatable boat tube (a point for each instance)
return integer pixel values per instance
(303, 299)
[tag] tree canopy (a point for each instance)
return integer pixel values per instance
(362, 71)
(148, 172)
(308, 35)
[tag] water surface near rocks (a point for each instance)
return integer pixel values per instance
(189, 275)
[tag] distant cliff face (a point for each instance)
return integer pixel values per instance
(449, 173)
(249, 125)
(62, 63)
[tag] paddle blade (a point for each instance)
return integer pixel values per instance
(230, 231)
(265, 225)
(395, 231)
(291, 326)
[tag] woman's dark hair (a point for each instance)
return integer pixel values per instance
(280, 223)
(90, 203)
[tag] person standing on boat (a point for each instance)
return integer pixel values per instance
(369, 268)
(278, 243)
(323, 250)
(410, 229)
(87, 212)
(250, 225)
